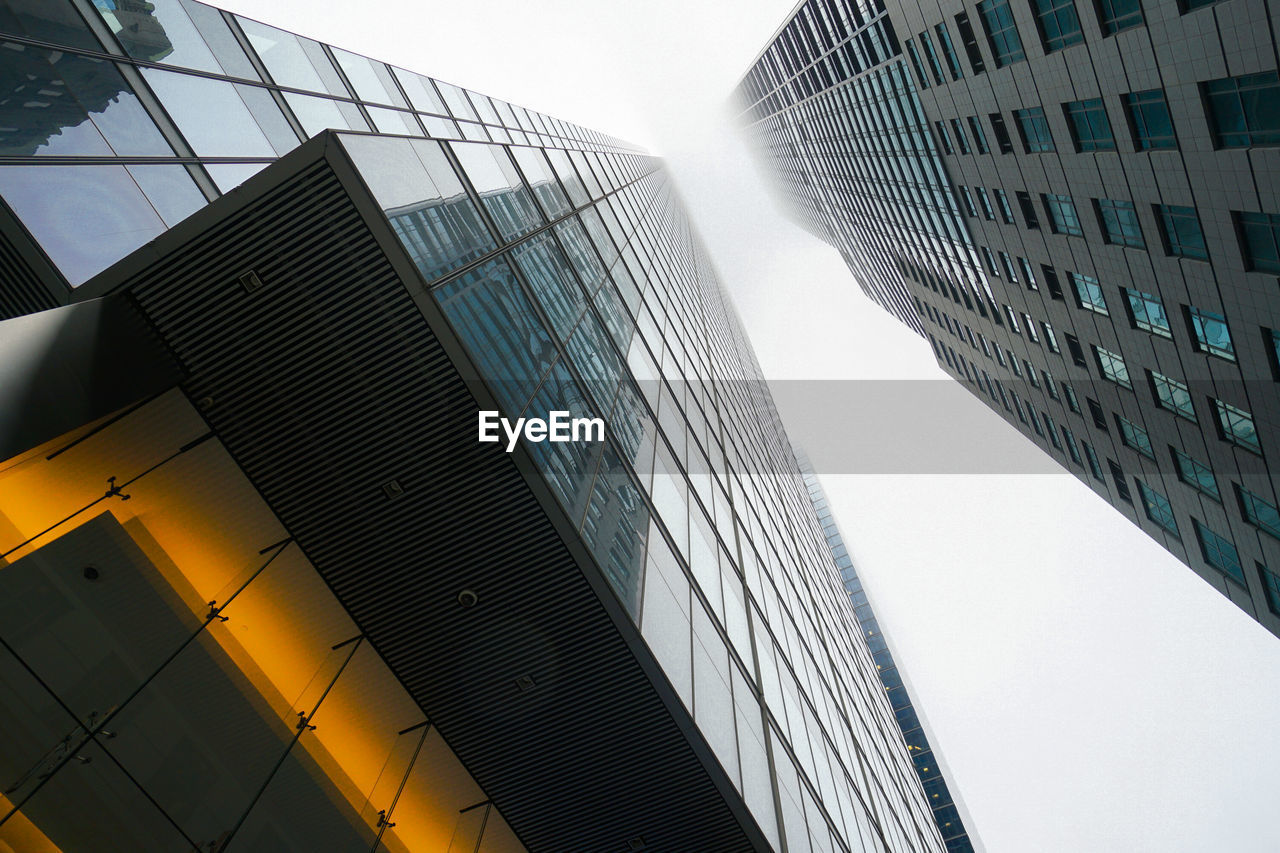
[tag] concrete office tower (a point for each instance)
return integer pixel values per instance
(263, 588)
(949, 812)
(1076, 203)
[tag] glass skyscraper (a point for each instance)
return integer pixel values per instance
(948, 812)
(1076, 204)
(262, 588)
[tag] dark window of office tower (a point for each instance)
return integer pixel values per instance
(1157, 508)
(1002, 133)
(1062, 214)
(1210, 333)
(943, 139)
(1260, 236)
(1219, 552)
(1135, 437)
(970, 42)
(1093, 461)
(1096, 412)
(1185, 6)
(1149, 120)
(1058, 23)
(962, 142)
(1122, 488)
(1090, 127)
(1117, 15)
(1172, 395)
(1113, 368)
(1036, 136)
(1271, 340)
(1006, 212)
(949, 51)
(1120, 222)
(916, 64)
(932, 55)
(979, 138)
(1196, 474)
(1259, 512)
(1147, 312)
(1181, 232)
(1245, 110)
(1236, 426)
(1002, 33)
(1077, 352)
(988, 212)
(1271, 585)
(1028, 210)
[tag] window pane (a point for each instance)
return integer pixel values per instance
(1197, 475)
(416, 187)
(293, 61)
(66, 104)
(85, 217)
(1182, 234)
(501, 190)
(1150, 121)
(1120, 223)
(1147, 313)
(1058, 22)
(1245, 110)
(1211, 333)
(210, 113)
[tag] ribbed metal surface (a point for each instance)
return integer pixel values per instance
(21, 291)
(327, 383)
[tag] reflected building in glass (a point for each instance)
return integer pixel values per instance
(263, 589)
(1076, 204)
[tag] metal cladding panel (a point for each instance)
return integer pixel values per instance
(326, 383)
(22, 291)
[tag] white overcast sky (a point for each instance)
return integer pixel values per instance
(1088, 691)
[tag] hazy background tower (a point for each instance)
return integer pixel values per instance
(1076, 204)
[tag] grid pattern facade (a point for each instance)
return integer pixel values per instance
(942, 800)
(564, 263)
(1138, 140)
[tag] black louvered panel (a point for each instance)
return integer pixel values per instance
(327, 383)
(21, 290)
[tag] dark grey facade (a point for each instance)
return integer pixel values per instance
(264, 589)
(1076, 204)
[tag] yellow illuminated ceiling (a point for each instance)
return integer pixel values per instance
(202, 525)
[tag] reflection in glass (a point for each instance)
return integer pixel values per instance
(421, 92)
(320, 114)
(170, 189)
(158, 31)
(84, 217)
(568, 176)
(553, 282)
(61, 103)
(228, 176)
(210, 113)
(500, 188)
(371, 80)
(53, 21)
(416, 187)
(394, 122)
(542, 181)
(614, 528)
(567, 466)
(457, 101)
(293, 61)
(495, 319)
